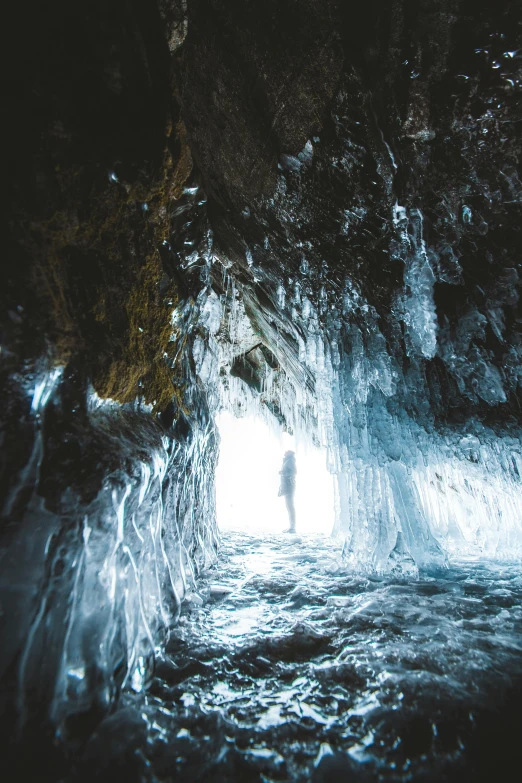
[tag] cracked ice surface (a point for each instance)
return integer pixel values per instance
(284, 656)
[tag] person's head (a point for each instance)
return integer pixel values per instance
(289, 453)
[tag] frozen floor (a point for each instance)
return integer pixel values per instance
(288, 668)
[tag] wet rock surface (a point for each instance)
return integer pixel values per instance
(287, 666)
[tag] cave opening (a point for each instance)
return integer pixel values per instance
(248, 480)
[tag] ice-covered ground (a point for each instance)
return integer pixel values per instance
(287, 666)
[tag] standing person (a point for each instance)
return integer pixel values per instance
(287, 487)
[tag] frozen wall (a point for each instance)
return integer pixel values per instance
(91, 586)
(411, 487)
(108, 517)
(410, 491)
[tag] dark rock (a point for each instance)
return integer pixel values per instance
(340, 768)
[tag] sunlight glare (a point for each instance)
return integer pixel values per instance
(247, 480)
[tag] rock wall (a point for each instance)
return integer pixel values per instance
(108, 441)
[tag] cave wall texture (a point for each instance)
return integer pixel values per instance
(312, 207)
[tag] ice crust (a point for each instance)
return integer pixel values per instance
(291, 656)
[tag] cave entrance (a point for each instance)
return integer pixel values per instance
(247, 480)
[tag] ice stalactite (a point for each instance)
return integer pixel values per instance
(418, 306)
(410, 490)
(258, 374)
(374, 257)
(407, 489)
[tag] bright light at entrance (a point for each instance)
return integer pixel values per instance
(247, 480)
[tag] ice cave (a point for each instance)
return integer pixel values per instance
(237, 230)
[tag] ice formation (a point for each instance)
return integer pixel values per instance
(302, 659)
(447, 492)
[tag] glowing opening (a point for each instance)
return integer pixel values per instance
(247, 480)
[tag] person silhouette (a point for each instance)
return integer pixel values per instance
(287, 486)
